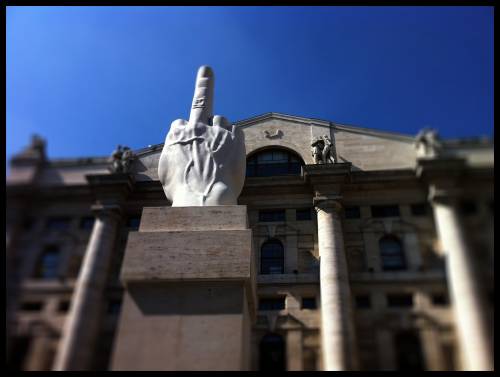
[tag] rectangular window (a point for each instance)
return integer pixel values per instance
(400, 300)
(114, 306)
(48, 264)
(363, 302)
(272, 303)
(63, 306)
(309, 303)
(352, 212)
(419, 209)
(272, 215)
(385, 210)
(31, 306)
(303, 214)
(58, 223)
(440, 299)
(87, 222)
(468, 207)
(133, 222)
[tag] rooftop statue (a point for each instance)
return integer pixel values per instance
(428, 143)
(322, 150)
(203, 160)
(121, 159)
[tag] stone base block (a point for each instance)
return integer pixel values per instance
(190, 291)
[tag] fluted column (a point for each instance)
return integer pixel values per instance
(77, 344)
(337, 329)
(468, 300)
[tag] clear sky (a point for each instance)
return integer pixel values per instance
(89, 78)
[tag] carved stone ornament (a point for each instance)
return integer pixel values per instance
(203, 159)
(276, 135)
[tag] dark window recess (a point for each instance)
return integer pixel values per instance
(272, 353)
(273, 162)
(409, 351)
(363, 302)
(31, 306)
(468, 207)
(63, 306)
(352, 212)
(303, 214)
(133, 222)
(58, 223)
(419, 209)
(272, 303)
(392, 254)
(272, 215)
(385, 211)
(400, 301)
(440, 299)
(87, 223)
(28, 224)
(309, 303)
(48, 263)
(272, 258)
(309, 359)
(114, 306)
(20, 346)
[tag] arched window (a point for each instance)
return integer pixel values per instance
(273, 162)
(272, 353)
(272, 258)
(392, 254)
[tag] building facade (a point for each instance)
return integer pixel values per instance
(379, 259)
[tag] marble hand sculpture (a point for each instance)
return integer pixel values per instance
(203, 160)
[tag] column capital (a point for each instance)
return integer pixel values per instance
(324, 202)
(438, 169)
(99, 209)
(442, 195)
(110, 189)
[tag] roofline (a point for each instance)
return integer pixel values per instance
(344, 127)
(457, 142)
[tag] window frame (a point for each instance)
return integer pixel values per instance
(255, 167)
(268, 259)
(385, 255)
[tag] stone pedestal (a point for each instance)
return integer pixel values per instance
(190, 291)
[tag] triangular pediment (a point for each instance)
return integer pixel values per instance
(366, 149)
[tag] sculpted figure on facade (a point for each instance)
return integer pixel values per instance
(322, 150)
(121, 159)
(127, 158)
(327, 154)
(203, 160)
(428, 143)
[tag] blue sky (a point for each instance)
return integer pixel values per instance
(89, 78)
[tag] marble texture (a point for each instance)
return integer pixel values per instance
(203, 160)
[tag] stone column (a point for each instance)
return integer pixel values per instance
(81, 327)
(473, 327)
(337, 327)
